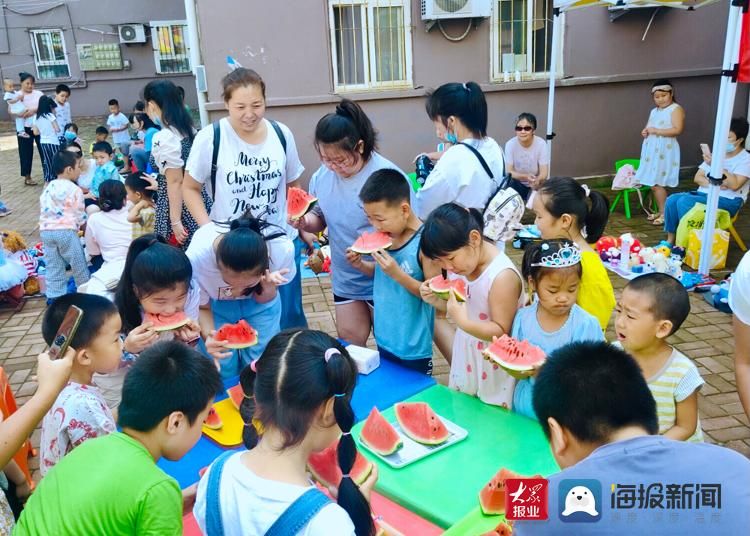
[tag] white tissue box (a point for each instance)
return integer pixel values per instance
(367, 360)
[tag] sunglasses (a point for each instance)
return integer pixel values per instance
(524, 129)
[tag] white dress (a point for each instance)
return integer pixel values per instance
(660, 155)
(470, 372)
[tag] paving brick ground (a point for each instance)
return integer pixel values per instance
(706, 336)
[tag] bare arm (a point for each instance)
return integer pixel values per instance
(732, 181)
(543, 173)
(686, 419)
(134, 214)
(700, 178)
(191, 191)
(503, 302)
(678, 122)
(174, 194)
(742, 362)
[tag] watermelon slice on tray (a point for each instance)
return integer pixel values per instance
(380, 435)
(441, 288)
(298, 203)
(324, 466)
(239, 335)
(236, 395)
(213, 421)
(514, 355)
(369, 243)
(421, 423)
(166, 322)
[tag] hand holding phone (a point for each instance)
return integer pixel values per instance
(65, 332)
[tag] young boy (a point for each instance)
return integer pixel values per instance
(62, 213)
(80, 412)
(403, 321)
(143, 212)
(118, 126)
(111, 485)
(62, 112)
(653, 307)
(100, 135)
(14, 100)
(105, 170)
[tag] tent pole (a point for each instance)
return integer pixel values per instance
(556, 45)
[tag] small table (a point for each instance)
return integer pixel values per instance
(444, 487)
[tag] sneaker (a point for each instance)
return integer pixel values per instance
(4, 211)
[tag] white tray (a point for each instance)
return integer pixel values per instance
(412, 451)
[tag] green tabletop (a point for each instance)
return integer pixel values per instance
(444, 487)
(474, 524)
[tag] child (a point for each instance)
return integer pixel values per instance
(46, 127)
(112, 483)
(100, 134)
(567, 209)
(70, 133)
(142, 213)
(118, 125)
(403, 321)
(140, 152)
(62, 112)
(452, 235)
(300, 397)
(660, 155)
(105, 170)
(14, 99)
(653, 307)
(61, 215)
(552, 269)
(80, 413)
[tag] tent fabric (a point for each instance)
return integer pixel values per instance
(568, 5)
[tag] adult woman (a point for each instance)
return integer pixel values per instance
(346, 142)
(739, 301)
(734, 189)
(31, 98)
(526, 157)
(462, 174)
(256, 160)
(171, 146)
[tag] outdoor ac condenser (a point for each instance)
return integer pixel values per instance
(131, 33)
(455, 9)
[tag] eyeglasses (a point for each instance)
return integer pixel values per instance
(524, 129)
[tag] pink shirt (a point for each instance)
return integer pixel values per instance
(31, 101)
(526, 159)
(61, 206)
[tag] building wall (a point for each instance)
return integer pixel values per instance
(83, 22)
(602, 103)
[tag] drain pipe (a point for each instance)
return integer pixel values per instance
(199, 70)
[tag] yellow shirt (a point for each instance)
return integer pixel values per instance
(595, 294)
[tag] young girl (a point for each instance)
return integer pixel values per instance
(238, 267)
(452, 236)
(552, 270)
(297, 401)
(660, 154)
(459, 112)
(142, 212)
(46, 127)
(567, 209)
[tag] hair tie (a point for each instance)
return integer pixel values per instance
(254, 366)
(339, 395)
(466, 87)
(347, 475)
(152, 242)
(346, 433)
(586, 190)
(330, 353)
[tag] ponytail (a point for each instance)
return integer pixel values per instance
(464, 101)
(448, 229)
(346, 127)
(590, 209)
(244, 248)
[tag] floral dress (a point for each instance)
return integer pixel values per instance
(660, 155)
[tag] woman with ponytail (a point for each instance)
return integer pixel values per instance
(239, 266)
(472, 169)
(297, 402)
(347, 144)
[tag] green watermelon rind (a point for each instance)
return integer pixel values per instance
(411, 433)
(514, 367)
(397, 444)
(239, 392)
(160, 325)
(216, 423)
(444, 293)
(309, 201)
(501, 476)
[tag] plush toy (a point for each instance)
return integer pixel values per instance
(605, 243)
(12, 276)
(17, 250)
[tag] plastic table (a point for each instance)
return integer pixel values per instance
(444, 487)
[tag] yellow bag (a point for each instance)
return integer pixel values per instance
(719, 249)
(694, 218)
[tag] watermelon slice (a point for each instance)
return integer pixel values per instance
(380, 435)
(369, 243)
(514, 355)
(239, 335)
(420, 423)
(324, 466)
(441, 288)
(502, 529)
(298, 203)
(166, 322)
(236, 395)
(492, 496)
(213, 421)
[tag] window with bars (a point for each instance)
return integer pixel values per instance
(171, 47)
(522, 38)
(370, 44)
(50, 56)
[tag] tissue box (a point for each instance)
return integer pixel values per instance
(367, 360)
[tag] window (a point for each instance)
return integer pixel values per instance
(171, 47)
(370, 43)
(521, 39)
(49, 54)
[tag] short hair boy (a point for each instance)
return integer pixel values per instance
(118, 125)
(653, 307)
(62, 111)
(404, 323)
(80, 412)
(112, 485)
(105, 168)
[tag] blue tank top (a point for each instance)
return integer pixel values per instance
(403, 322)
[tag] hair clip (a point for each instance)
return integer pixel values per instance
(545, 246)
(565, 257)
(586, 190)
(249, 397)
(330, 353)
(253, 366)
(347, 475)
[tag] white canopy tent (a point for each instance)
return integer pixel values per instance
(726, 94)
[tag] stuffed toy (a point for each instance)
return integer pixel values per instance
(16, 249)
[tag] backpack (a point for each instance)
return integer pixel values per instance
(217, 144)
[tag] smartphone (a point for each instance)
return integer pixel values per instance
(705, 150)
(66, 332)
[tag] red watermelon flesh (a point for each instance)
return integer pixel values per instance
(166, 322)
(239, 335)
(420, 423)
(515, 355)
(324, 466)
(369, 243)
(298, 203)
(441, 287)
(236, 395)
(503, 529)
(380, 435)
(213, 421)
(492, 496)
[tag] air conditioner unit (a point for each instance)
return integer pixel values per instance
(455, 9)
(131, 33)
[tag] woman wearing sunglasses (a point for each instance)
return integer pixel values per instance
(526, 157)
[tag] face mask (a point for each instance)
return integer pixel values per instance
(71, 136)
(451, 138)
(157, 121)
(730, 146)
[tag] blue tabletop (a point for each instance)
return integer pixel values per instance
(386, 385)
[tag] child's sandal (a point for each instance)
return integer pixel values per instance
(659, 220)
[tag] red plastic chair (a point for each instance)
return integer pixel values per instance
(8, 407)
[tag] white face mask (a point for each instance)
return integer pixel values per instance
(731, 146)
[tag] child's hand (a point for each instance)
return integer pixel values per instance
(217, 349)
(188, 333)
(298, 223)
(457, 309)
(644, 132)
(651, 131)
(52, 375)
(366, 487)
(386, 263)
(427, 295)
(276, 278)
(354, 258)
(140, 338)
(188, 498)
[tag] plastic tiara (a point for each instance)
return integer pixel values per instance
(566, 256)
